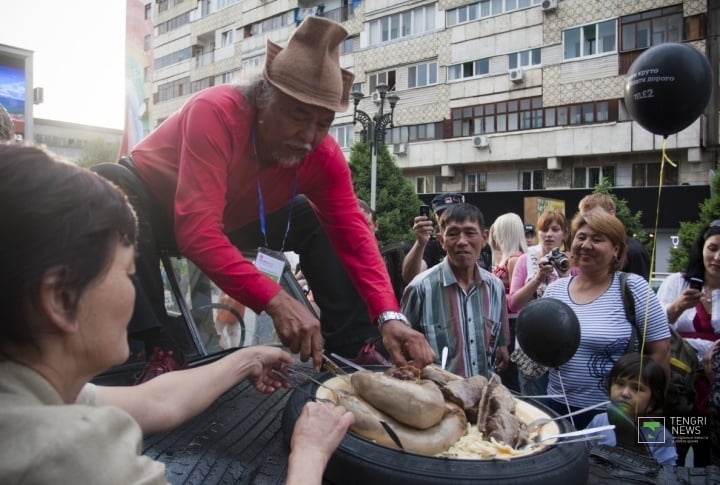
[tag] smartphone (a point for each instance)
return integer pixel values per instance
(696, 283)
(425, 210)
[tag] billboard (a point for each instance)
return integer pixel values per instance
(16, 81)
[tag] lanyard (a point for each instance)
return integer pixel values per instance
(261, 203)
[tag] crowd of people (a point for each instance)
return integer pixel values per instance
(251, 169)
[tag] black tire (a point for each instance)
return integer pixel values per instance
(360, 461)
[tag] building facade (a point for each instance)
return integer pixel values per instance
(499, 99)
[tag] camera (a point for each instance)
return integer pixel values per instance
(696, 283)
(558, 259)
(425, 210)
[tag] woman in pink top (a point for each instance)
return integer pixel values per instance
(533, 272)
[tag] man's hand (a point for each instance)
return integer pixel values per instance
(296, 327)
(423, 229)
(502, 358)
(402, 341)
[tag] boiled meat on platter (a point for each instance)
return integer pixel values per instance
(429, 409)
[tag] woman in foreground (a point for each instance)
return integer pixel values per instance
(67, 254)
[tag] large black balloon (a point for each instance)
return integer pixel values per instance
(548, 331)
(668, 87)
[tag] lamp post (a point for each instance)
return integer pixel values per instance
(374, 128)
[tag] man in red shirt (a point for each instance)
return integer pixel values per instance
(246, 167)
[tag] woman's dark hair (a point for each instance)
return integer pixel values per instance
(53, 215)
(695, 265)
(650, 373)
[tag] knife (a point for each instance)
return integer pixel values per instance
(393, 435)
(347, 362)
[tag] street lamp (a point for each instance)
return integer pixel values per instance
(374, 128)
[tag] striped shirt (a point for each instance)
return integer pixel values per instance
(436, 305)
(604, 336)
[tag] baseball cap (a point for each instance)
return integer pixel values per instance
(443, 201)
(529, 228)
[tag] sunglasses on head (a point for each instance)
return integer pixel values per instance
(713, 228)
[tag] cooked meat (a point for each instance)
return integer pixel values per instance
(506, 428)
(404, 373)
(438, 375)
(466, 393)
(496, 415)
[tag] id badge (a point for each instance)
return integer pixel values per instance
(270, 263)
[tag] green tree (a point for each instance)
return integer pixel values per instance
(709, 210)
(631, 221)
(97, 151)
(396, 202)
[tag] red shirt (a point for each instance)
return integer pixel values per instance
(199, 164)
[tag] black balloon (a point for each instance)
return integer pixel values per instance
(548, 331)
(668, 87)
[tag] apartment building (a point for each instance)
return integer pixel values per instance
(498, 99)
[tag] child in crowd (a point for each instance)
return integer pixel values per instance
(637, 388)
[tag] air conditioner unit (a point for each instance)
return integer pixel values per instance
(549, 5)
(376, 97)
(399, 148)
(481, 142)
(516, 75)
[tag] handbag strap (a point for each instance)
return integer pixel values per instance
(629, 306)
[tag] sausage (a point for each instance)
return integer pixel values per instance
(419, 403)
(430, 441)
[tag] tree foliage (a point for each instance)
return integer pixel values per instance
(396, 202)
(97, 151)
(709, 210)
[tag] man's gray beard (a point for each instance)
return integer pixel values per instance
(288, 161)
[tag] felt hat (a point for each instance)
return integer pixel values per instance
(308, 68)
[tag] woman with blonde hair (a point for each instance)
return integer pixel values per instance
(507, 241)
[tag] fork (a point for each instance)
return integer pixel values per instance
(538, 423)
(588, 434)
(301, 390)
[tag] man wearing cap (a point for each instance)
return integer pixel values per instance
(247, 167)
(426, 252)
(530, 235)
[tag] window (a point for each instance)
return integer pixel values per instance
(403, 24)
(173, 58)
(522, 114)
(589, 40)
(343, 134)
(346, 47)
(532, 180)
(387, 77)
(650, 28)
(162, 5)
(407, 133)
(226, 38)
(422, 184)
(174, 89)
(227, 77)
(485, 8)
(422, 75)
(526, 58)
(589, 177)
(252, 63)
(148, 11)
(468, 69)
(476, 182)
(648, 174)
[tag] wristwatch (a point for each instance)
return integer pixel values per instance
(390, 315)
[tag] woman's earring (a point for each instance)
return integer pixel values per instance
(617, 261)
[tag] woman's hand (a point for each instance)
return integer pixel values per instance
(264, 362)
(318, 431)
(689, 298)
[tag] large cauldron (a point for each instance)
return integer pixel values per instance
(360, 461)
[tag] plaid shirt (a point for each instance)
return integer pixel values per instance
(436, 305)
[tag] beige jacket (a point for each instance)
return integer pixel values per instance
(46, 441)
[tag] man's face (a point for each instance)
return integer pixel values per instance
(289, 129)
(463, 241)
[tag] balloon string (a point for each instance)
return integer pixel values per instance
(664, 158)
(562, 390)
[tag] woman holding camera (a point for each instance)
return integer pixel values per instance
(599, 249)
(533, 271)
